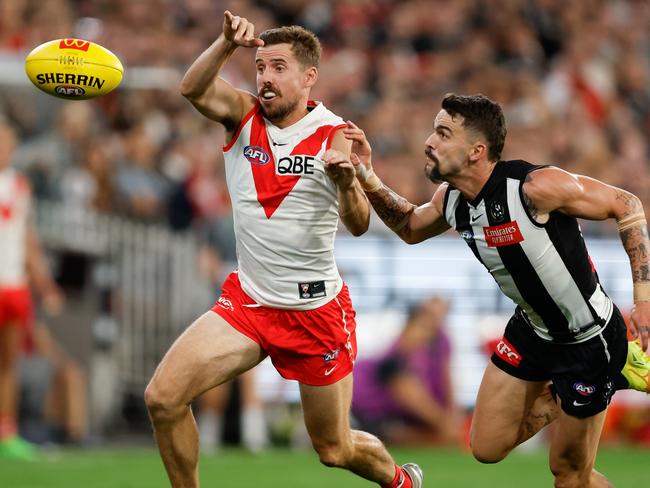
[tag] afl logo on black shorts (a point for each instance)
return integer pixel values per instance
(256, 155)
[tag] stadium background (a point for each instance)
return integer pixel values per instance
(133, 209)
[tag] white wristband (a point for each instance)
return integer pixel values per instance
(370, 182)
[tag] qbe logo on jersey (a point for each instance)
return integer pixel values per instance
(295, 164)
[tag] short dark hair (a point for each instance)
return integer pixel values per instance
(482, 115)
(304, 43)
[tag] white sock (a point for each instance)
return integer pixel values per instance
(210, 427)
(254, 433)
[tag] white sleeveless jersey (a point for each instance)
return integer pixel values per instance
(285, 209)
(14, 212)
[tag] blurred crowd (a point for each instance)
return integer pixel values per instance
(573, 78)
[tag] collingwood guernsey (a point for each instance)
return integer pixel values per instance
(544, 268)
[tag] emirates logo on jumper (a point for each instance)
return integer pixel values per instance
(503, 235)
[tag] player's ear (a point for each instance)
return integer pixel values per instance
(310, 76)
(477, 151)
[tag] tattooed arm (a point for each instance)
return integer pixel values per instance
(412, 224)
(552, 189)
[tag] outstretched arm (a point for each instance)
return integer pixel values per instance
(412, 224)
(552, 189)
(212, 96)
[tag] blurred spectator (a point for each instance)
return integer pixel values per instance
(405, 396)
(141, 188)
(53, 405)
(21, 261)
(212, 414)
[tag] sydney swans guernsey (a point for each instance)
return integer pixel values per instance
(285, 209)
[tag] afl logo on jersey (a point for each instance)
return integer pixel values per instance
(256, 155)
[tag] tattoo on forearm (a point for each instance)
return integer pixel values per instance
(391, 208)
(635, 242)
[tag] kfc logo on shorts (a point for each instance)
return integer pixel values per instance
(256, 155)
(508, 353)
(225, 303)
(331, 356)
(503, 235)
(584, 390)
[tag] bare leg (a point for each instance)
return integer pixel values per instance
(326, 410)
(573, 452)
(508, 411)
(207, 354)
(254, 430)
(66, 402)
(213, 404)
(544, 411)
(10, 337)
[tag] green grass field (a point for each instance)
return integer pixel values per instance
(141, 468)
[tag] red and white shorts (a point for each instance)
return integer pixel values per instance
(17, 310)
(315, 347)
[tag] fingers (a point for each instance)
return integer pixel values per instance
(644, 336)
(242, 32)
(354, 159)
(332, 156)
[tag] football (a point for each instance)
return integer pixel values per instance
(73, 69)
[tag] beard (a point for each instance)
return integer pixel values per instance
(432, 167)
(279, 110)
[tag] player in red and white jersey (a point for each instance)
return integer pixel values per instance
(21, 262)
(290, 179)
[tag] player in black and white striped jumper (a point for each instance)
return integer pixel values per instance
(565, 350)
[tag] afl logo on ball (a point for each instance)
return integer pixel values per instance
(69, 91)
(256, 155)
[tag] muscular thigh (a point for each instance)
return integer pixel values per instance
(502, 404)
(207, 354)
(327, 410)
(575, 442)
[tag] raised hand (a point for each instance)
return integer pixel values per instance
(361, 157)
(240, 31)
(339, 168)
(640, 323)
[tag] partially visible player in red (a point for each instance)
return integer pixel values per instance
(290, 179)
(21, 262)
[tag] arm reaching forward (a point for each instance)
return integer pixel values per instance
(412, 224)
(212, 96)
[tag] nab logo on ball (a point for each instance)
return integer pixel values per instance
(256, 155)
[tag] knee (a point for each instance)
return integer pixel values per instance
(161, 406)
(333, 454)
(488, 453)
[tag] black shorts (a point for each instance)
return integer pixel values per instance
(584, 375)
